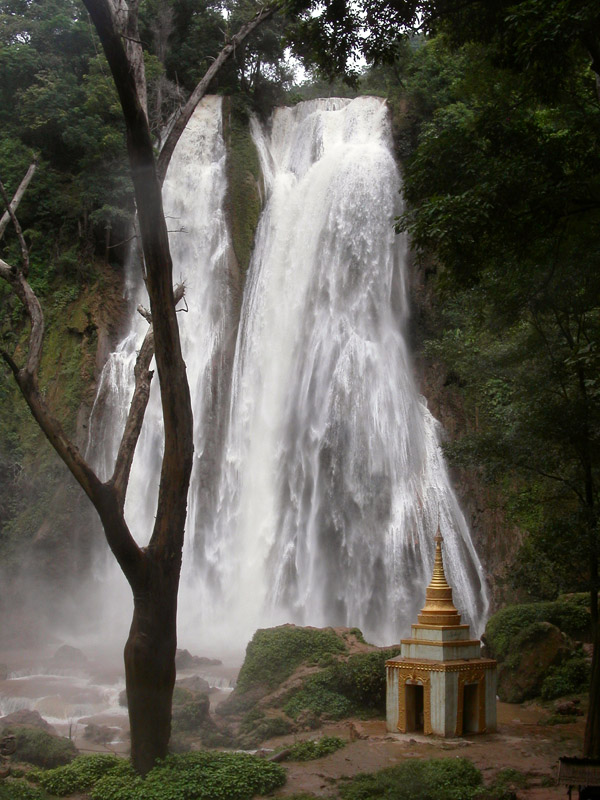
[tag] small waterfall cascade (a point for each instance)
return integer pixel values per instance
(333, 480)
(193, 199)
(319, 480)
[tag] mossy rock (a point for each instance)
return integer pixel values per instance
(274, 654)
(191, 714)
(570, 614)
(537, 648)
(36, 746)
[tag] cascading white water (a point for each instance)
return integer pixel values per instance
(330, 476)
(193, 199)
(333, 479)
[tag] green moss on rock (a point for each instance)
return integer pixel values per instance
(274, 654)
(243, 176)
(571, 615)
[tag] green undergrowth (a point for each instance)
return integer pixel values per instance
(310, 749)
(204, 775)
(434, 779)
(356, 686)
(570, 677)
(571, 615)
(20, 790)
(274, 654)
(80, 775)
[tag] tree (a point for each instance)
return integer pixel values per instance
(512, 218)
(152, 572)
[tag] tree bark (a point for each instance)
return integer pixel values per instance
(150, 662)
(150, 649)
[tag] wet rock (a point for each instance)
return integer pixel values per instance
(123, 698)
(185, 660)
(67, 657)
(3, 672)
(100, 734)
(569, 708)
(26, 718)
(192, 714)
(195, 684)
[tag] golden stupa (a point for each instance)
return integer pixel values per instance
(439, 608)
(439, 683)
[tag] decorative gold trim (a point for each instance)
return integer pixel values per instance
(419, 677)
(428, 626)
(442, 666)
(450, 642)
(474, 676)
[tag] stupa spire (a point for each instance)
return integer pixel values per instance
(439, 608)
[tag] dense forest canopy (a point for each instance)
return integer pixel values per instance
(497, 123)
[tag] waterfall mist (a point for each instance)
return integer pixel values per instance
(319, 479)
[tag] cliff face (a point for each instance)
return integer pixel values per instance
(47, 526)
(496, 540)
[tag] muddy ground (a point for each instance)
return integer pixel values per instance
(522, 743)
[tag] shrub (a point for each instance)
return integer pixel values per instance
(504, 784)
(201, 775)
(571, 677)
(435, 779)
(316, 696)
(355, 686)
(20, 790)
(274, 654)
(362, 678)
(315, 748)
(78, 776)
(38, 747)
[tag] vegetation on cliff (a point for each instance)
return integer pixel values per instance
(511, 220)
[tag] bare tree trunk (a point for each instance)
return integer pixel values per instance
(150, 664)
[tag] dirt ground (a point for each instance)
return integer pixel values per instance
(521, 743)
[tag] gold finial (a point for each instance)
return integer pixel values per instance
(439, 608)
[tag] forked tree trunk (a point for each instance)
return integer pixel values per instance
(150, 665)
(152, 572)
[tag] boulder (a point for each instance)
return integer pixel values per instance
(67, 657)
(185, 660)
(192, 714)
(537, 648)
(26, 718)
(3, 672)
(568, 708)
(195, 684)
(100, 734)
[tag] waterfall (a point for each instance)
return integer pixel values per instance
(316, 496)
(194, 204)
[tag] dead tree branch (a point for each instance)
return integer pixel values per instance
(202, 87)
(14, 203)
